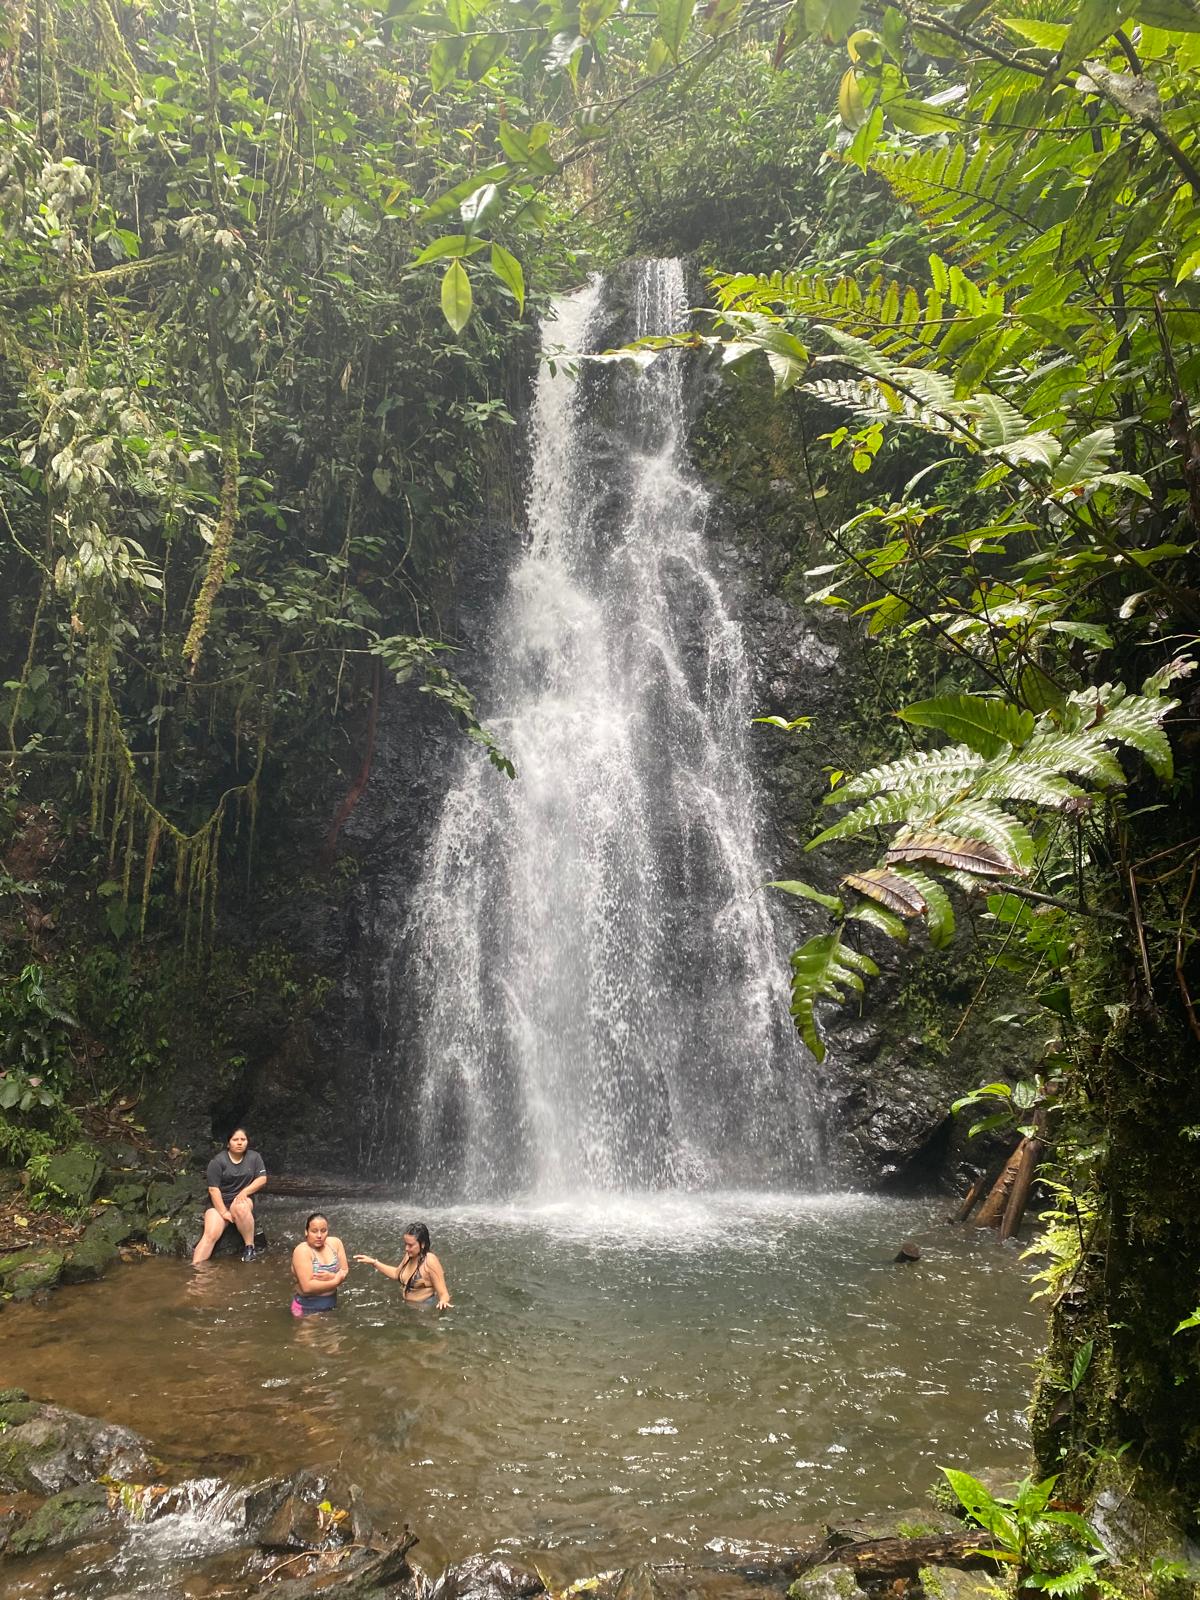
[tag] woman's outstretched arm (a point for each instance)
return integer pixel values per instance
(380, 1266)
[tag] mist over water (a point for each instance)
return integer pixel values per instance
(601, 985)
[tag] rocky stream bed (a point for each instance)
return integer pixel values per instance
(86, 1511)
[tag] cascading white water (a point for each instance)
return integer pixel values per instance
(601, 988)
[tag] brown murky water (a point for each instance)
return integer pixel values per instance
(618, 1379)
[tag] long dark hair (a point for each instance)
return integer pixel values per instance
(313, 1217)
(421, 1234)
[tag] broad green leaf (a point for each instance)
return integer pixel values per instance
(851, 108)
(484, 54)
(877, 916)
(720, 16)
(918, 116)
(480, 206)
(1046, 35)
(508, 269)
(1081, 1363)
(444, 62)
(1086, 458)
(825, 967)
(939, 913)
(1177, 16)
(656, 57)
(988, 726)
(453, 198)
(450, 244)
(832, 20)
(456, 296)
(674, 20)
(805, 891)
(1094, 21)
(594, 14)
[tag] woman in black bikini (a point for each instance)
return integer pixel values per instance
(419, 1274)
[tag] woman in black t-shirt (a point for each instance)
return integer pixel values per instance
(234, 1177)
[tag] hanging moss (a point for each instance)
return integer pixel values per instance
(218, 556)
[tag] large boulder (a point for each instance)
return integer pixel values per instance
(75, 1174)
(45, 1449)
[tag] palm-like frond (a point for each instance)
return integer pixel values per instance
(825, 967)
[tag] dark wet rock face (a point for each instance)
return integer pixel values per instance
(487, 1578)
(45, 1449)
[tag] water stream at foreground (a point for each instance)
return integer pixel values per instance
(628, 1378)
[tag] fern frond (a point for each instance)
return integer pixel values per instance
(981, 819)
(825, 967)
(956, 763)
(939, 913)
(1131, 719)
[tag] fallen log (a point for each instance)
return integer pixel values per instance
(992, 1210)
(1030, 1153)
(884, 1560)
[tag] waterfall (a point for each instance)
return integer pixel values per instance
(600, 984)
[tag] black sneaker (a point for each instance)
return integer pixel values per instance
(249, 1253)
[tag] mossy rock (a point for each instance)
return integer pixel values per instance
(63, 1520)
(167, 1198)
(21, 1274)
(132, 1196)
(45, 1449)
(75, 1175)
(97, 1249)
(834, 1582)
(166, 1237)
(952, 1583)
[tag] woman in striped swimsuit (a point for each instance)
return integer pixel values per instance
(318, 1266)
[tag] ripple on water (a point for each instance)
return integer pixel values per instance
(616, 1369)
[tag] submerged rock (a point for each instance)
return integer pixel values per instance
(45, 1449)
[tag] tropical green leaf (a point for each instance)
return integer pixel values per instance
(825, 967)
(1086, 458)
(805, 891)
(456, 296)
(1094, 21)
(939, 913)
(953, 766)
(988, 726)
(877, 916)
(674, 20)
(1133, 720)
(508, 269)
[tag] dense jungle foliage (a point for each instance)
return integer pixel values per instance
(265, 292)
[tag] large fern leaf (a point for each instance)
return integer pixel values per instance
(986, 725)
(939, 913)
(953, 765)
(1131, 719)
(825, 967)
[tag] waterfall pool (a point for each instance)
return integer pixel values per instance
(620, 1378)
